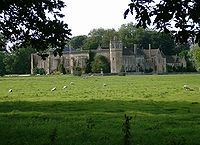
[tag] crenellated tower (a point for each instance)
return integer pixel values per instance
(116, 48)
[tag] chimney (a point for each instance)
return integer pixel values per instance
(150, 50)
(135, 49)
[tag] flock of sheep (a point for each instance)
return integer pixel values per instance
(185, 87)
(64, 87)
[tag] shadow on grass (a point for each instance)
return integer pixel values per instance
(155, 122)
(107, 106)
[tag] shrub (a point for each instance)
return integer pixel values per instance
(61, 68)
(77, 71)
(100, 62)
(40, 71)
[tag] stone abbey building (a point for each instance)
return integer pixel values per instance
(131, 59)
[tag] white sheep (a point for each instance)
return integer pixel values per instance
(104, 85)
(10, 91)
(53, 89)
(64, 87)
(187, 88)
(71, 83)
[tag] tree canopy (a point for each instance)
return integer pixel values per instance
(183, 15)
(100, 62)
(195, 53)
(35, 22)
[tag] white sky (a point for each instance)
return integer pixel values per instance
(85, 15)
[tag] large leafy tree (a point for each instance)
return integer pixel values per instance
(2, 65)
(100, 62)
(38, 22)
(195, 53)
(167, 14)
(130, 34)
(19, 61)
(99, 37)
(77, 42)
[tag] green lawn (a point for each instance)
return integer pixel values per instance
(88, 113)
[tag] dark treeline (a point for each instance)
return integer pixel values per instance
(16, 61)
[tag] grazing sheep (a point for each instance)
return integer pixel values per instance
(187, 88)
(10, 91)
(71, 83)
(64, 87)
(104, 85)
(53, 89)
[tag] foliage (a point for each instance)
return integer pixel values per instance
(89, 62)
(195, 53)
(130, 35)
(165, 112)
(36, 22)
(165, 14)
(61, 68)
(99, 37)
(19, 61)
(39, 71)
(2, 43)
(92, 43)
(77, 71)
(182, 50)
(77, 42)
(2, 65)
(100, 62)
(126, 130)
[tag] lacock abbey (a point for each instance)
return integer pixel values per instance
(130, 59)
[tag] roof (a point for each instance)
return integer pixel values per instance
(153, 52)
(66, 49)
(127, 51)
(130, 51)
(173, 59)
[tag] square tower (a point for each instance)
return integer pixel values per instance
(115, 55)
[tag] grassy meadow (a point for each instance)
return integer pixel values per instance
(89, 113)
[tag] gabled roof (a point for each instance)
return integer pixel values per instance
(173, 59)
(153, 52)
(130, 51)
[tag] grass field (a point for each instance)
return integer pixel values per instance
(88, 113)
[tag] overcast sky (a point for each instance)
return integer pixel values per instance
(85, 15)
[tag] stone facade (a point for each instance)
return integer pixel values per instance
(176, 61)
(131, 60)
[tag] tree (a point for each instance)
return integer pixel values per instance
(100, 62)
(19, 61)
(100, 37)
(164, 15)
(91, 43)
(37, 22)
(89, 62)
(164, 42)
(130, 34)
(195, 53)
(77, 42)
(2, 65)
